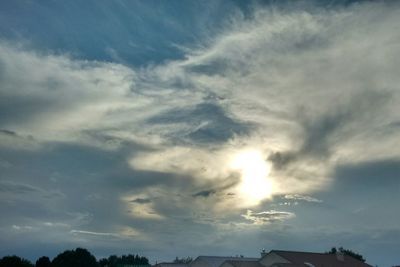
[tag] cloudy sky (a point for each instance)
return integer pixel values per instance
(181, 128)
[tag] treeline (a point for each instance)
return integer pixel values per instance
(79, 257)
(348, 252)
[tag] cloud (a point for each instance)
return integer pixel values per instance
(13, 140)
(267, 217)
(306, 105)
(8, 186)
(7, 132)
(206, 123)
(23, 228)
(204, 193)
(93, 233)
(13, 189)
(58, 92)
(298, 197)
(141, 200)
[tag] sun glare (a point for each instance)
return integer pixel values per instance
(255, 185)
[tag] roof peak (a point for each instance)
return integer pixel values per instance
(306, 252)
(230, 257)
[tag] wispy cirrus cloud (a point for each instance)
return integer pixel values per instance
(266, 217)
(298, 197)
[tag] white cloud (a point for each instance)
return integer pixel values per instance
(298, 197)
(93, 233)
(267, 217)
(23, 228)
(318, 87)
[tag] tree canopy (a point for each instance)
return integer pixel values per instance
(43, 262)
(79, 257)
(115, 261)
(347, 252)
(14, 261)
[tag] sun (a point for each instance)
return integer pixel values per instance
(254, 169)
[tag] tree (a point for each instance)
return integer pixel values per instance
(14, 261)
(43, 262)
(130, 259)
(103, 262)
(332, 251)
(79, 257)
(347, 252)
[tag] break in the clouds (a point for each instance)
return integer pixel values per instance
(153, 141)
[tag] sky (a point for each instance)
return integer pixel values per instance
(186, 128)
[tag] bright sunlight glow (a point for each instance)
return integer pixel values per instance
(255, 185)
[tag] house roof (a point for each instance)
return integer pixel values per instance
(216, 261)
(171, 264)
(244, 263)
(318, 259)
(288, 265)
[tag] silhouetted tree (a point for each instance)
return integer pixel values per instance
(43, 262)
(347, 252)
(332, 251)
(103, 262)
(14, 261)
(114, 261)
(79, 257)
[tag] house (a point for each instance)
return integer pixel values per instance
(171, 264)
(275, 258)
(239, 263)
(216, 261)
(281, 258)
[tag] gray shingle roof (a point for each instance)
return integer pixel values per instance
(171, 264)
(216, 261)
(245, 263)
(319, 259)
